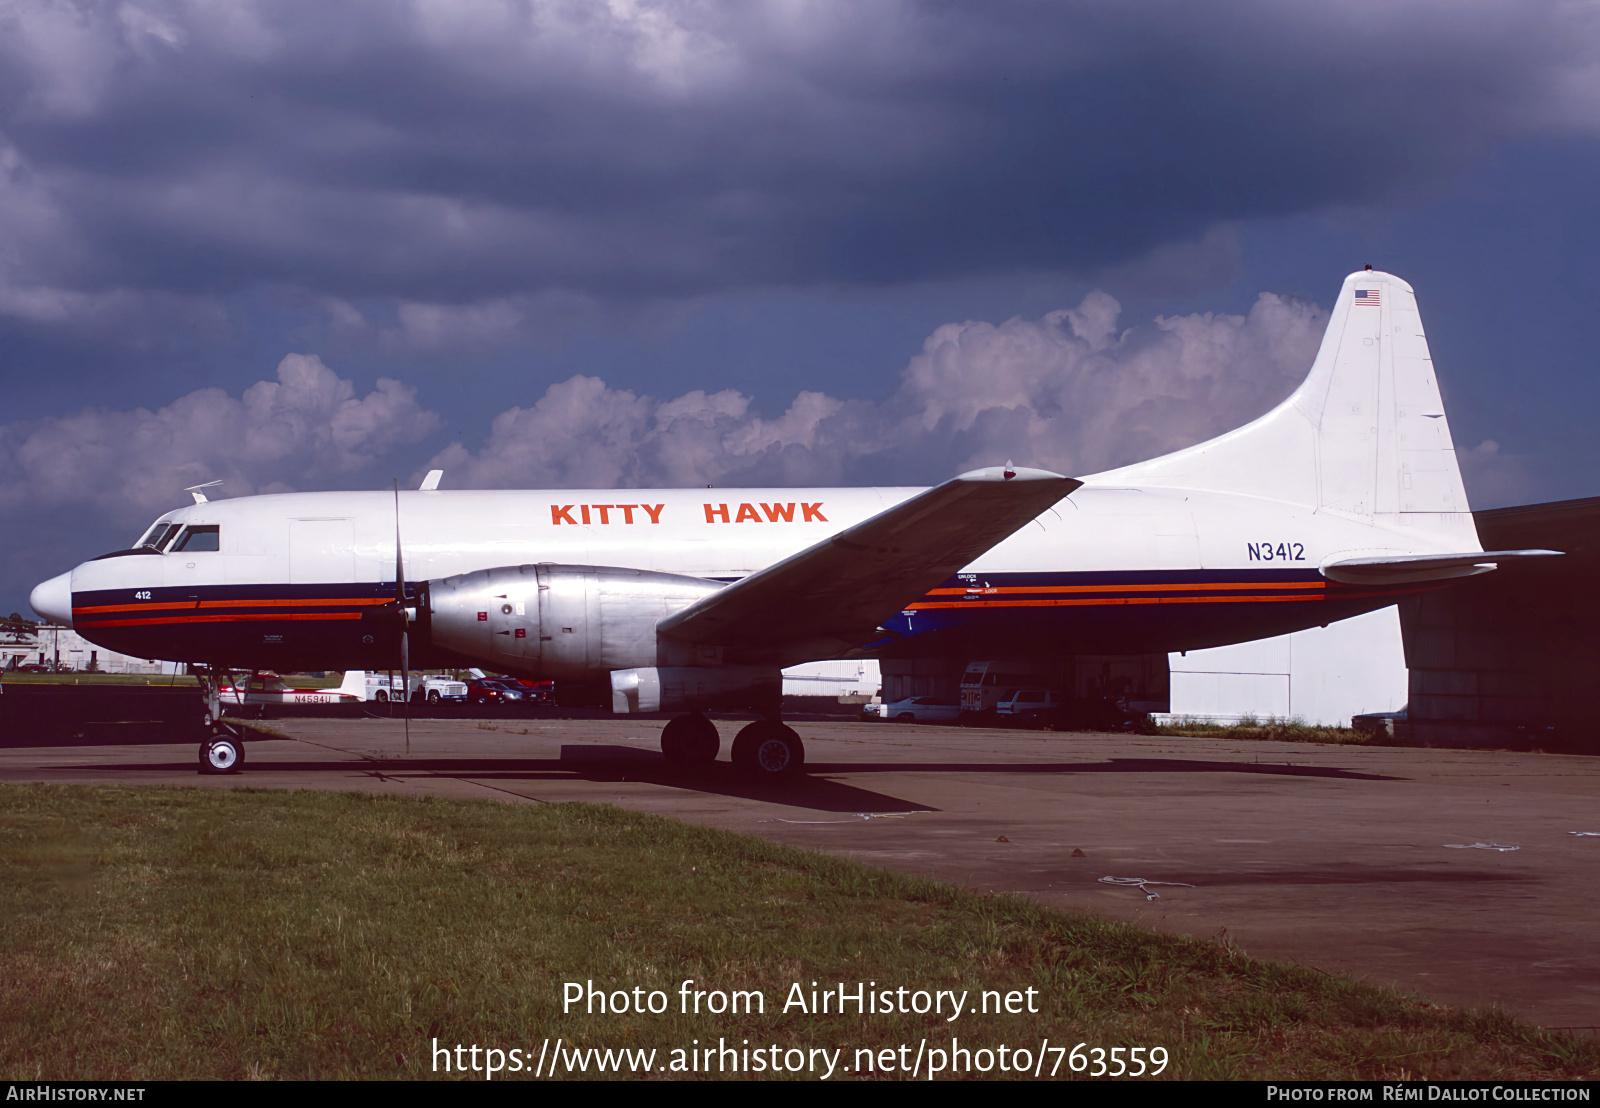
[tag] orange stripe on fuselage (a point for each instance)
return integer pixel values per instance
(1098, 601)
(1101, 601)
(223, 617)
(1036, 589)
(191, 604)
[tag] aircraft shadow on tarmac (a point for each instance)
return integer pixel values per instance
(1355, 874)
(1110, 765)
(814, 790)
(590, 763)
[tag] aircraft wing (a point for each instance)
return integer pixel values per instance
(1404, 568)
(840, 590)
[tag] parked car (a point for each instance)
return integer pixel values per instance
(1030, 707)
(538, 692)
(490, 690)
(1049, 708)
(372, 685)
(920, 709)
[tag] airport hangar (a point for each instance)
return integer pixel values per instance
(1505, 660)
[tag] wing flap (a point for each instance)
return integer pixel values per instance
(839, 590)
(1404, 568)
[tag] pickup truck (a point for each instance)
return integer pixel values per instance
(367, 685)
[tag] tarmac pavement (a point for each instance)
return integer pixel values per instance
(1378, 862)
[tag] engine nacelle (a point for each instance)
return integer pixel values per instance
(567, 623)
(690, 688)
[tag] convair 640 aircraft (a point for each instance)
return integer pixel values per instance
(1340, 500)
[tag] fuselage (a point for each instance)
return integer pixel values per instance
(301, 581)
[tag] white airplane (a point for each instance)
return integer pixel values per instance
(1339, 501)
(265, 689)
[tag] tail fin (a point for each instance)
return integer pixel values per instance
(354, 683)
(1364, 435)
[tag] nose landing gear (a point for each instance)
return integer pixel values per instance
(222, 753)
(223, 749)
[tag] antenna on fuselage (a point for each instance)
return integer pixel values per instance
(200, 497)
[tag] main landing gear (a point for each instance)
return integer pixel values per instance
(765, 750)
(769, 751)
(690, 741)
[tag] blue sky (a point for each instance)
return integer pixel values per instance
(295, 245)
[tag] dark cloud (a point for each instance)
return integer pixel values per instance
(443, 153)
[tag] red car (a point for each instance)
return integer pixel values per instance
(538, 692)
(490, 690)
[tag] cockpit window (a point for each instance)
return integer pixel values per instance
(207, 537)
(155, 538)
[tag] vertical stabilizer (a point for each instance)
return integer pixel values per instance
(1364, 435)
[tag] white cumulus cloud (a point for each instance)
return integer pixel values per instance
(1070, 391)
(304, 428)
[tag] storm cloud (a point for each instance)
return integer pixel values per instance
(445, 153)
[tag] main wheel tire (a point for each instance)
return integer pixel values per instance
(690, 741)
(769, 751)
(221, 755)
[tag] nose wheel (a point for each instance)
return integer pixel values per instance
(222, 753)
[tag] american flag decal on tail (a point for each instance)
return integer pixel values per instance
(1368, 297)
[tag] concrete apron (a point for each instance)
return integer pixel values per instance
(1375, 862)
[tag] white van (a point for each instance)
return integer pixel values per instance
(985, 684)
(1031, 705)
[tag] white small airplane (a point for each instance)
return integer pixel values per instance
(1341, 500)
(266, 689)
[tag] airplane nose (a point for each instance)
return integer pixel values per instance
(53, 599)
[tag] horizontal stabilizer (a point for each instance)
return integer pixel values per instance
(840, 590)
(1401, 569)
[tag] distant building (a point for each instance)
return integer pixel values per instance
(16, 647)
(51, 646)
(1323, 676)
(1509, 659)
(859, 678)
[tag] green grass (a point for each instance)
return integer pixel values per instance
(96, 679)
(180, 933)
(1273, 730)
